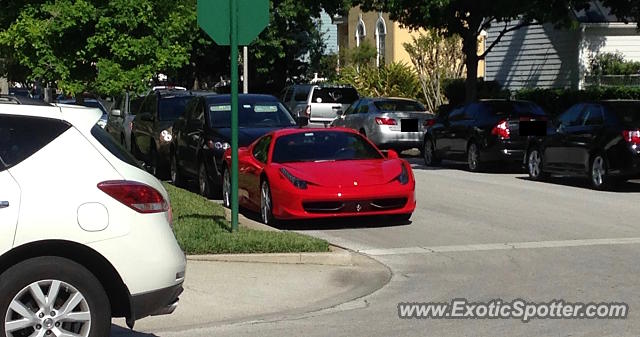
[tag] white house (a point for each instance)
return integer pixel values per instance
(540, 56)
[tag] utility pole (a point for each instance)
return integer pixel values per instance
(245, 75)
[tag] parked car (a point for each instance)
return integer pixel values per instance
(120, 119)
(151, 134)
(600, 141)
(11, 99)
(90, 103)
(78, 244)
(480, 133)
(320, 173)
(322, 102)
(204, 133)
(390, 123)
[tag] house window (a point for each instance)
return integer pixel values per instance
(361, 31)
(381, 37)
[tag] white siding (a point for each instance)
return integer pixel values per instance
(608, 40)
(534, 56)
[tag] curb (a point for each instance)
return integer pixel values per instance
(248, 223)
(337, 257)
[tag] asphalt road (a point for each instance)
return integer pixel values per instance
(481, 237)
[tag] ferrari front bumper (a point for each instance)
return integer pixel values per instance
(322, 202)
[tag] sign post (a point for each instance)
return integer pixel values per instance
(233, 23)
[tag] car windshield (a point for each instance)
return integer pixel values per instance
(334, 95)
(255, 114)
(321, 146)
(171, 108)
(399, 105)
(627, 112)
(517, 108)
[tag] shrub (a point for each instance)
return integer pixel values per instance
(556, 101)
(392, 80)
(455, 90)
(612, 64)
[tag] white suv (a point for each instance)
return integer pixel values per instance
(85, 234)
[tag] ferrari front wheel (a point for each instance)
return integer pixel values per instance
(266, 204)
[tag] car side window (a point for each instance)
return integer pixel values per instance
(472, 110)
(261, 150)
(301, 94)
(21, 137)
(134, 105)
(572, 116)
(150, 105)
(353, 108)
(457, 114)
(363, 108)
(287, 95)
(593, 115)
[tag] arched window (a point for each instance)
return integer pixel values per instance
(381, 37)
(361, 31)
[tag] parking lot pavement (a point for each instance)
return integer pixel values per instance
(219, 293)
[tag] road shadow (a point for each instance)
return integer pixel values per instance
(626, 187)
(492, 168)
(118, 331)
(342, 223)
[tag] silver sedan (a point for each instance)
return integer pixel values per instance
(390, 123)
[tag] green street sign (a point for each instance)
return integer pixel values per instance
(214, 19)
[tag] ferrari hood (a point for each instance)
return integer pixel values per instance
(346, 173)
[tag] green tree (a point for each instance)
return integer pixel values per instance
(436, 58)
(468, 18)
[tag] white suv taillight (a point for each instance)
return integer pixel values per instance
(137, 196)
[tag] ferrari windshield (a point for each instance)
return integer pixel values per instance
(251, 114)
(321, 146)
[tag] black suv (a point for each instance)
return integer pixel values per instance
(600, 141)
(203, 134)
(481, 132)
(151, 133)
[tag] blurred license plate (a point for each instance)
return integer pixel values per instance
(409, 125)
(533, 128)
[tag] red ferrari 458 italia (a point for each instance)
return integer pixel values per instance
(320, 173)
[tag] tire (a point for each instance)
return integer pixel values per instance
(93, 310)
(534, 165)
(599, 173)
(204, 183)
(473, 157)
(176, 177)
(266, 204)
(429, 154)
(226, 188)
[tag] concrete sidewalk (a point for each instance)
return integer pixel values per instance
(218, 293)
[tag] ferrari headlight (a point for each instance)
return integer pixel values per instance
(166, 136)
(297, 182)
(403, 178)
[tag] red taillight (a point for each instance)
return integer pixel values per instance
(385, 121)
(502, 130)
(429, 122)
(632, 137)
(130, 126)
(137, 196)
(307, 111)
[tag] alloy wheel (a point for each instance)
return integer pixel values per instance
(226, 189)
(535, 164)
(48, 308)
(598, 172)
(472, 157)
(202, 180)
(265, 203)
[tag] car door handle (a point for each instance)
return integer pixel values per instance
(4, 204)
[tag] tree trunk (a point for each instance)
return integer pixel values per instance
(470, 48)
